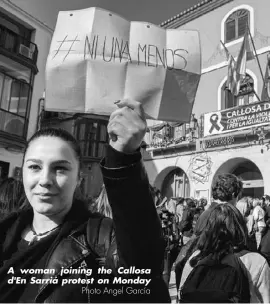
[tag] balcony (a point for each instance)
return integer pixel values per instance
(167, 135)
(18, 48)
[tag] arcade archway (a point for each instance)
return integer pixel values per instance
(248, 172)
(176, 184)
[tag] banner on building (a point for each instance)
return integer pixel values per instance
(243, 117)
(97, 57)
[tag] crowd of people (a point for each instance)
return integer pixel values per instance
(204, 236)
(220, 249)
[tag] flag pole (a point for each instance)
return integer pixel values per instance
(256, 95)
(226, 50)
(256, 55)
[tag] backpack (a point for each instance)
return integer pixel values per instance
(99, 236)
(211, 281)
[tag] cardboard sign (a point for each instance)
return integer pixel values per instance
(97, 57)
(256, 114)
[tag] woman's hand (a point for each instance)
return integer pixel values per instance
(127, 126)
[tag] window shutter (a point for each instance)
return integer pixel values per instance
(229, 99)
(230, 31)
(242, 23)
(235, 26)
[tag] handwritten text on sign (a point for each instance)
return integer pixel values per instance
(148, 55)
(97, 57)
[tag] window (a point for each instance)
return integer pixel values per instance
(14, 101)
(92, 136)
(246, 94)
(176, 184)
(14, 95)
(235, 25)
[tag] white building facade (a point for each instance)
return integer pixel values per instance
(24, 46)
(183, 160)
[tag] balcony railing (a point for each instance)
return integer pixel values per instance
(171, 136)
(17, 45)
(12, 123)
(166, 141)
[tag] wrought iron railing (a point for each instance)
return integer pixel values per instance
(170, 136)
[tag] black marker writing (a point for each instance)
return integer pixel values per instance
(91, 48)
(65, 40)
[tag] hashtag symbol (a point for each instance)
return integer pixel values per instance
(70, 41)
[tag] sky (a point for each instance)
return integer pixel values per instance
(153, 11)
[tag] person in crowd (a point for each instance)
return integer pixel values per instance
(53, 232)
(259, 223)
(265, 245)
(226, 189)
(171, 239)
(245, 209)
(179, 209)
(265, 242)
(188, 245)
(11, 196)
(266, 202)
(101, 204)
(203, 203)
(200, 208)
(184, 254)
(209, 203)
(160, 201)
(186, 225)
(225, 233)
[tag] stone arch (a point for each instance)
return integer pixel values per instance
(173, 181)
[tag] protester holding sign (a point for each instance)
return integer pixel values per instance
(48, 253)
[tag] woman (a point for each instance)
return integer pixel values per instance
(226, 233)
(52, 238)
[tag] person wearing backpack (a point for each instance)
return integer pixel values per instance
(221, 270)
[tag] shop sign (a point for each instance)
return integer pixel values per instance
(239, 118)
(219, 141)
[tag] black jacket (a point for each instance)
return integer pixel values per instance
(185, 225)
(138, 243)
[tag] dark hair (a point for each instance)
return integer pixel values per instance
(190, 203)
(203, 201)
(60, 133)
(180, 201)
(226, 187)
(225, 232)
(266, 197)
(11, 195)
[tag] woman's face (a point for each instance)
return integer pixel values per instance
(50, 175)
